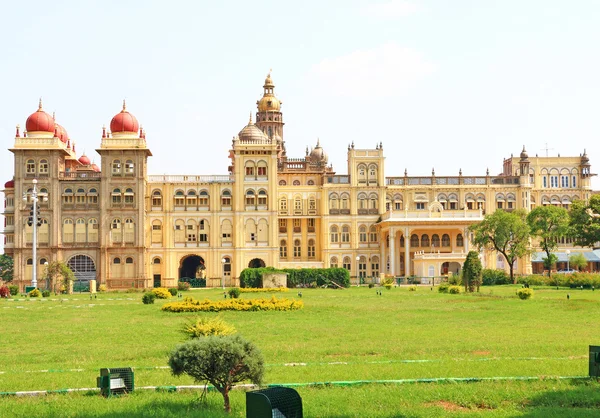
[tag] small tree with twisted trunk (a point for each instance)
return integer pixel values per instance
(220, 361)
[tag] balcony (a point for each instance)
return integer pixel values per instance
(79, 175)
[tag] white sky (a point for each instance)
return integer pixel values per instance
(444, 84)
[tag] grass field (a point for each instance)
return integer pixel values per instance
(340, 335)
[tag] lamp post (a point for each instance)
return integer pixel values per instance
(568, 252)
(358, 270)
(33, 222)
(223, 261)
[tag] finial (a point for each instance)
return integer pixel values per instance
(318, 142)
(559, 154)
(433, 171)
(18, 135)
(54, 115)
(73, 146)
(141, 131)
(380, 145)
(103, 131)
(250, 121)
(55, 130)
(40, 105)
(307, 150)
(405, 172)
(124, 106)
(523, 149)
(376, 146)
(348, 147)
(460, 171)
(487, 171)
(352, 144)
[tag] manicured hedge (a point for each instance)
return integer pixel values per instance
(298, 277)
(493, 277)
(587, 280)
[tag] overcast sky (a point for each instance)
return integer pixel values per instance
(443, 84)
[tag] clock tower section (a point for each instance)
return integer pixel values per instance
(269, 118)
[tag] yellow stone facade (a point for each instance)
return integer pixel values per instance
(125, 228)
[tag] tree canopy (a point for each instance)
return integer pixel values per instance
(6, 268)
(471, 272)
(505, 232)
(585, 221)
(549, 223)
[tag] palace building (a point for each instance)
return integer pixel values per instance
(115, 223)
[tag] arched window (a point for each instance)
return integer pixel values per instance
(250, 169)
(362, 234)
(362, 201)
(157, 198)
(190, 231)
(116, 234)
(362, 267)
(156, 260)
(362, 173)
(311, 182)
(283, 249)
(312, 205)
(157, 232)
(43, 167)
(282, 182)
(334, 234)
(373, 201)
(226, 266)
(435, 240)
(250, 198)
(30, 167)
(261, 169)
(68, 232)
(425, 240)
(414, 240)
(92, 196)
(372, 174)
(116, 260)
(373, 234)
(311, 248)
(296, 183)
(226, 198)
(180, 236)
(191, 199)
(129, 260)
(179, 198)
(345, 202)
(43, 231)
(116, 167)
(345, 233)
(347, 264)
(333, 201)
(116, 268)
(68, 196)
(445, 240)
(129, 168)
(203, 230)
(226, 231)
(80, 235)
(283, 206)
(116, 196)
(297, 248)
(262, 199)
(460, 242)
(333, 262)
(80, 196)
(375, 266)
(93, 230)
(250, 230)
(297, 205)
(129, 196)
(203, 199)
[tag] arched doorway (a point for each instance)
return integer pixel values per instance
(256, 263)
(84, 269)
(192, 267)
(451, 268)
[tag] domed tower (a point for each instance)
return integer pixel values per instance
(269, 117)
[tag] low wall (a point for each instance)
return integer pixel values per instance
(271, 280)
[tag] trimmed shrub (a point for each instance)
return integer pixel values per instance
(102, 288)
(412, 288)
(587, 280)
(173, 291)
(493, 277)
(443, 287)
(371, 285)
(234, 293)
(45, 293)
(298, 277)
(182, 286)
(35, 293)
(203, 327)
(454, 290)
(263, 290)
(455, 279)
(161, 293)
(148, 298)
(4, 292)
(13, 289)
(525, 293)
(273, 304)
(388, 286)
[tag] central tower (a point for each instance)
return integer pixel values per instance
(269, 118)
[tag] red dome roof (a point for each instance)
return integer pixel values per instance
(84, 160)
(10, 184)
(95, 168)
(40, 121)
(61, 133)
(124, 122)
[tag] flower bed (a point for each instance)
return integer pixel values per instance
(258, 289)
(273, 304)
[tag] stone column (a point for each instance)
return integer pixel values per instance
(466, 239)
(406, 252)
(392, 251)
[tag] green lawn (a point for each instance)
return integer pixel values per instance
(340, 335)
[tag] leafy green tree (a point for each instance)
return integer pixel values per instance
(549, 223)
(585, 221)
(219, 360)
(505, 232)
(6, 268)
(471, 272)
(578, 261)
(60, 275)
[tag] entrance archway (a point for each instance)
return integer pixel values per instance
(451, 267)
(256, 263)
(192, 266)
(84, 269)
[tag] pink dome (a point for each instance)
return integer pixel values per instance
(84, 160)
(124, 122)
(10, 184)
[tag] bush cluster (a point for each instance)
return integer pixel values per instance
(203, 327)
(4, 291)
(182, 286)
(454, 290)
(46, 293)
(412, 288)
(234, 292)
(173, 291)
(273, 304)
(13, 289)
(161, 293)
(263, 289)
(102, 288)
(455, 279)
(525, 293)
(148, 298)
(493, 277)
(443, 287)
(297, 277)
(35, 293)
(587, 280)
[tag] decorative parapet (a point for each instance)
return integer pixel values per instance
(190, 179)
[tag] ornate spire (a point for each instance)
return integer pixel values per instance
(18, 134)
(124, 106)
(103, 131)
(40, 105)
(250, 121)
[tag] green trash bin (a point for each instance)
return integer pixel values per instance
(594, 360)
(29, 288)
(115, 381)
(275, 402)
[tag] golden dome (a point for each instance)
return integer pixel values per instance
(251, 132)
(269, 103)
